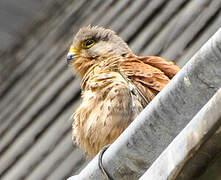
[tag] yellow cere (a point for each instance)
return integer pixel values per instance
(72, 50)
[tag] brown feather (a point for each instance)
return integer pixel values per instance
(116, 85)
(168, 67)
(150, 74)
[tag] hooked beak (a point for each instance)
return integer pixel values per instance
(71, 54)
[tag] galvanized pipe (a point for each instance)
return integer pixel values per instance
(160, 122)
(190, 151)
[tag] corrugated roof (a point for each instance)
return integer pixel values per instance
(38, 92)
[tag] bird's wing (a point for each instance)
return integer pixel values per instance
(149, 74)
(168, 67)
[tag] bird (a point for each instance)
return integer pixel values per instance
(116, 85)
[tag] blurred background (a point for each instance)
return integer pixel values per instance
(38, 93)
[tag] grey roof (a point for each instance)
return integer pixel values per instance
(38, 93)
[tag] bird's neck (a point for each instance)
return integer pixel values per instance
(103, 65)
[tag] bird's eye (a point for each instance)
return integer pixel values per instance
(88, 43)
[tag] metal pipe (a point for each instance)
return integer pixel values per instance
(159, 123)
(190, 151)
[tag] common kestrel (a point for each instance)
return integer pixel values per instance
(116, 85)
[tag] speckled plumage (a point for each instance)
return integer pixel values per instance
(109, 72)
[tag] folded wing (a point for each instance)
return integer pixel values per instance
(149, 74)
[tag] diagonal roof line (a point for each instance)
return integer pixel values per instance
(163, 119)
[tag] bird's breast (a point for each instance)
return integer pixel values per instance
(107, 108)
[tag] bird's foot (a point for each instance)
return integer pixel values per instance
(100, 164)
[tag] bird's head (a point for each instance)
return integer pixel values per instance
(91, 45)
